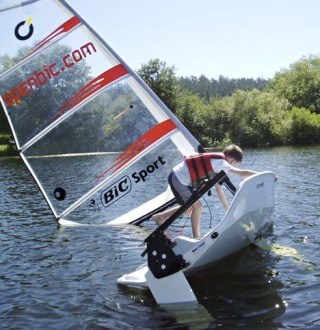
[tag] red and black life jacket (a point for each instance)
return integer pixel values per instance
(200, 167)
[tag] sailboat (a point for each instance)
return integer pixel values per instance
(100, 144)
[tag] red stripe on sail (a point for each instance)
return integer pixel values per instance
(63, 28)
(141, 144)
(92, 87)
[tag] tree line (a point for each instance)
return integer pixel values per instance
(223, 86)
(284, 110)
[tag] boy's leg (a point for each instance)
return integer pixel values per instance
(159, 218)
(181, 193)
(195, 218)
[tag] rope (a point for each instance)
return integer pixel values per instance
(185, 223)
(189, 215)
(211, 217)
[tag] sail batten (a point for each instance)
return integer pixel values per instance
(97, 140)
(18, 4)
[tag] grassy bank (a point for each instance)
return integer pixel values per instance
(7, 147)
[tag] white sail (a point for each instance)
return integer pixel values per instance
(97, 140)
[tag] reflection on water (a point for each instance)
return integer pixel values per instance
(66, 278)
(251, 293)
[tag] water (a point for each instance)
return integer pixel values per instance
(66, 278)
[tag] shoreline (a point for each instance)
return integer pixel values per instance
(7, 145)
(10, 150)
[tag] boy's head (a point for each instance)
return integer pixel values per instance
(233, 154)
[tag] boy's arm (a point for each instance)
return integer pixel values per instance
(222, 196)
(243, 173)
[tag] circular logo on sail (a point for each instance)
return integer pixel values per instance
(24, 29)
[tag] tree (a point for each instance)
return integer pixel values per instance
(259, 119)
(300, 84)
(5, 63)
(305, 127)
(224, 86)
(4, 126)
(249, 118)
(192, 112)
(201, 86)
(162, 80)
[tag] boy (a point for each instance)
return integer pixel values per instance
(188, 174)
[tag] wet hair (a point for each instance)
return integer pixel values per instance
(233, 151)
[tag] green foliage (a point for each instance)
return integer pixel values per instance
(192, 112)
(201, 86)
(255, 117)
(6, 62)
(7, 147)
(305, 127)
(162, 80)
(259, 119)
(248, 118)
(224, 86)
(4, 125)
(300, 84)
(216, 120)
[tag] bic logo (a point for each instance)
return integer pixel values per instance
(116, 191)
(124, 185)
(24, 29)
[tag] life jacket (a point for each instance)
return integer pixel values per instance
(200, 167)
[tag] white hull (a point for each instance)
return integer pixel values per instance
(249, 215)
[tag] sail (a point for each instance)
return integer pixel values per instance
(98, 142)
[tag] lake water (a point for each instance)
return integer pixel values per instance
(66, 278)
